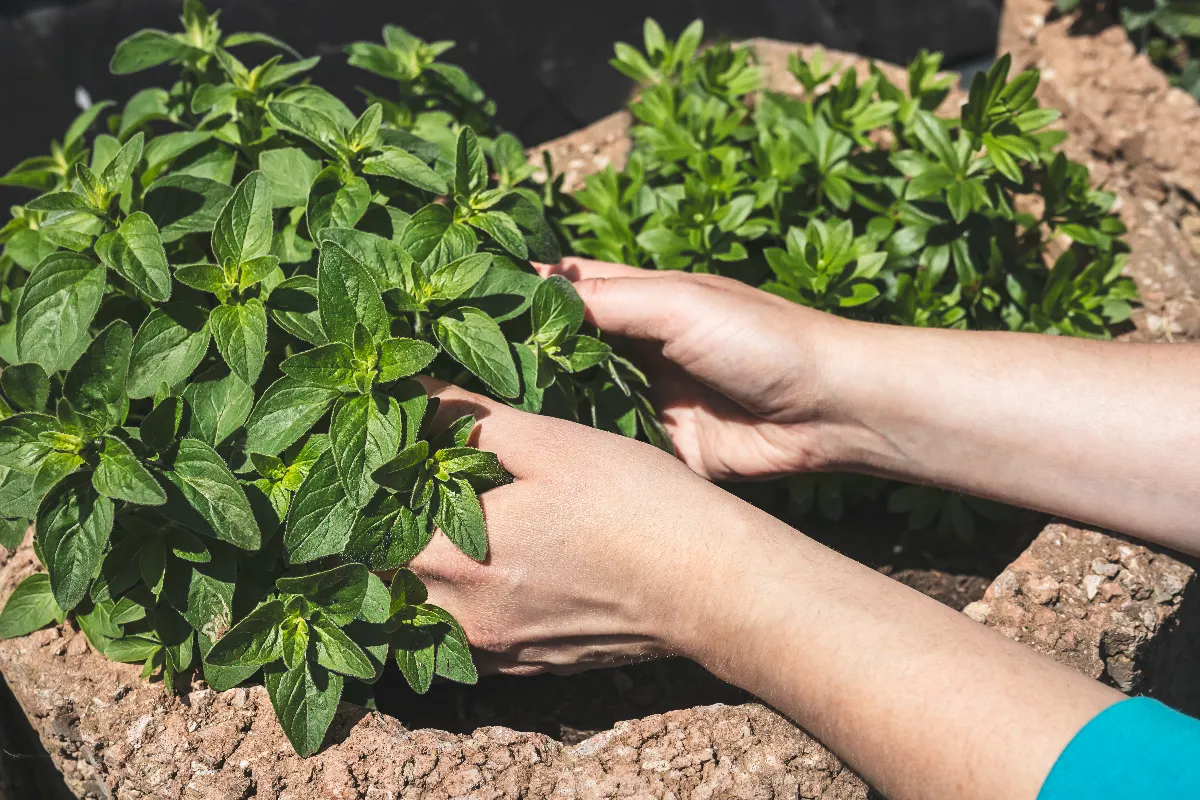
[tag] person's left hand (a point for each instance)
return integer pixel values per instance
(599, 551)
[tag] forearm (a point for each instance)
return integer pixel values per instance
(1102, 432)
(920, 700)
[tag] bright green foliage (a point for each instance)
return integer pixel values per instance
(1167, 30)
(213, 316)
(856, 198)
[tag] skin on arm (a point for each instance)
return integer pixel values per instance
(754, 386)
(605, 550)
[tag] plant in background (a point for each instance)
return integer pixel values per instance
(1168, 31)
(855, 198)
(213, 314)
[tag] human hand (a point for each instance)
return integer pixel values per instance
(736, 373)
(597, 551)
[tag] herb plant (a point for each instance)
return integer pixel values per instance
(856, 199)
(213, 314)
(1168, 31)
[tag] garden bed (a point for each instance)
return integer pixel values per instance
(1114, 610)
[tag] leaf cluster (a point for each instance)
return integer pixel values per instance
(212, 318)
(855, 197)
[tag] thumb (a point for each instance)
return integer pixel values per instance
(636, 308)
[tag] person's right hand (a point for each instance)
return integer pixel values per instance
(735, 372)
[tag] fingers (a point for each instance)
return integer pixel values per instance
(637, 308)
(578, 269)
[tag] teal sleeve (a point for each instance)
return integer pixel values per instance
(1136, 748)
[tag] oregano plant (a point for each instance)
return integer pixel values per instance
(214, 311)
(854, 197)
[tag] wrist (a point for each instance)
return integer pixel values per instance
(847, 362)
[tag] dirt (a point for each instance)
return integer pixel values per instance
(1138, 135)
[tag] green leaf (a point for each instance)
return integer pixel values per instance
(291, 173)
(252, 642)
(207, 488)
(220, 402)
(95, 386)
(160, 428)
(400, 358)
(240, 332)
(334, 203)
(121, 476)
(365, 433)
(329, 367)
(308, 123)
(244, 228)
(131, 649)
(338, 592)
(286, 411)
(337, 652)
(460, 517)
(120, 169)
(73, 526)
(348, 296)
(557, 311)
(167, 348)
(61, 201)
(61, 297)
(584, 352)
(25, 440)
(392, 162)
(470, 167)
(415, 655)
(458, 277)
(135, 251)
(181, 204)
(220, 679)
(26, 385)
(388, 264)
(293, 306)
(433, 238)
(376, 603)
(295, 642)
(305, 700)
(146, 49)
(30, 607)
(387, 535)
(500, 226)
(453, 651)
(474, 339)
(321, 517)
(203, 592)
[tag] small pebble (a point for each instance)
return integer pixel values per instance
(1092, 585)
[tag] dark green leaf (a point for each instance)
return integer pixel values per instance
(329, 367)
(73, 526)
(291, 173)
(27, 386)
(500, 226)
(135, 251)
(146, 49)
(476, 341)
(220, 402)
(393, 162)
(461, 518)
(321, 517)
(415, 655)
(207, 489)
(252, 642)
(181, 204)
(167, 348)
(240, 332)
(60, 299)
(121, 476)
(557, 311)
(334, 203)
(365, 433)
(348, 296)
(285, 412)
(95, 386)
(305, 700)
(243, 229)
(337, 652)
(31, 606)
(400, 358)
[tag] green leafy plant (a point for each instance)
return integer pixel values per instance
(213, 315)
(854, 197)
(1168, 31)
